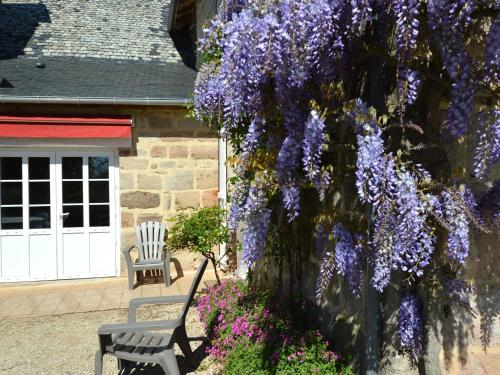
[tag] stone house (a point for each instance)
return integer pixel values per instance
(94, 134)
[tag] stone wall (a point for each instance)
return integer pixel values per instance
(172, 167)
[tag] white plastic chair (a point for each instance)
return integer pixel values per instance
(151, 254)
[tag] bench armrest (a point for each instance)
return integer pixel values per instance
(136, 302)
(155, 325)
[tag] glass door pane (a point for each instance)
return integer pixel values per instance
(72, 192)
(39, 192)
(99, 191)
(11, 193)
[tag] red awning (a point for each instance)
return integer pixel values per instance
(65, 127)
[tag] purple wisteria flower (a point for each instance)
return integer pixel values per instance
(243, 63)
(257, 216)
(382, 242)
(349, 258)
(408, 85)
(369, 164)
(447, 20)
(361, 13)
(492, 54)
(291, 200)
(324, 40)
(270, 62)
(406, 13)
(413, 242)
(239, 196)
(314, 137)
(208, 97)
(255, 131)
(286, 165)
(411, 326)
(488, 144)
(326, 272)
(458, 227)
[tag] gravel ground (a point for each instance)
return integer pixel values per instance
(66, 344)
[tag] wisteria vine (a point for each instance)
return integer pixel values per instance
(293, 85)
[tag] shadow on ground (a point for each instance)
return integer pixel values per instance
(184, 367)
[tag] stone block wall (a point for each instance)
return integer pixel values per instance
(173, 166)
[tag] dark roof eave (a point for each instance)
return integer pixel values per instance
(171, 15)
(4, 99)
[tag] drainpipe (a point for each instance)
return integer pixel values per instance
(222, 193)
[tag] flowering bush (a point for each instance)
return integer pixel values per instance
(249, 335)
(359, 96)
(312, 358)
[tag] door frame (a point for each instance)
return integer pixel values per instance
(13, 150)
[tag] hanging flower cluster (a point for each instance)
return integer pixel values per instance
(411, 324)
(296, 86)
(347, 260)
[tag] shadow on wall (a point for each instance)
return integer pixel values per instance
(18, 23)
(487, 278)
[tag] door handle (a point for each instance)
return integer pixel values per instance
(64, 215)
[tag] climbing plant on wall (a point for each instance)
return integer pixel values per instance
(360, 95)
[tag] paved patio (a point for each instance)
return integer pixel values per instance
(22, 300)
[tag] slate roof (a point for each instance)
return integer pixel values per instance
(91, 48)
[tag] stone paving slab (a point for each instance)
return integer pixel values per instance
(27, 300)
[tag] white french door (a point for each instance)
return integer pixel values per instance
(57, 215)
(85, 211)
(27, 216)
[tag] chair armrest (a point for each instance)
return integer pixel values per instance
(166, 250)
(136, 302)
(157, 325)
(130, 249)
(126, 253)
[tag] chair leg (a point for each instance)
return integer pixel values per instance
(123, 364)
(166, 278)
(131, 280)
(169, 363)
(98, 362)
(166, 270)
(183, 342)
(140, 276)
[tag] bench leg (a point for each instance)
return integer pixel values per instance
(168, 363)
(123, 364)
(183, 342)
(98, 363)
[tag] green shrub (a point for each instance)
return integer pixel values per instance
(311, 358)
(247, 359)
(199, 231)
